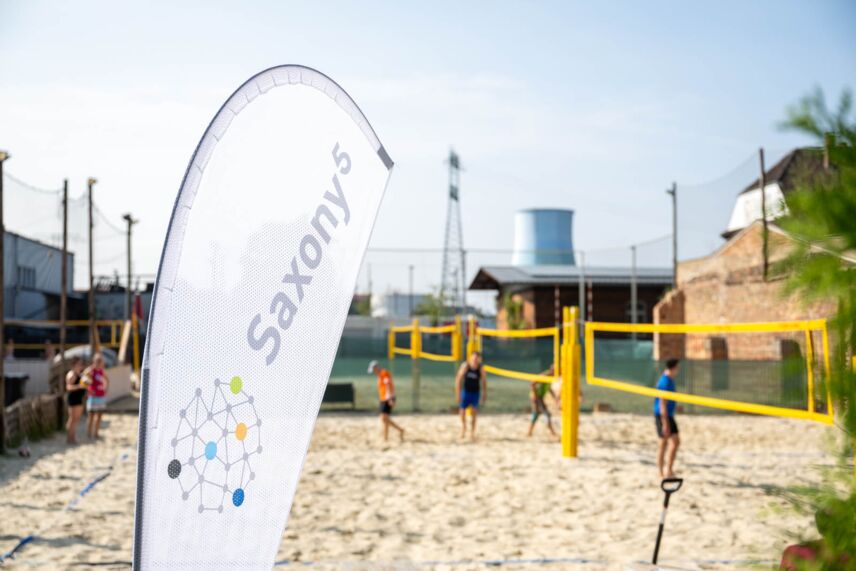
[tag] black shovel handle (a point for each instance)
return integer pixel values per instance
(669, 486)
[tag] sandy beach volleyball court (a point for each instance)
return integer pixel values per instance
(434, 502)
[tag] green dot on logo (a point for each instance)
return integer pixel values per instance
(235, 385)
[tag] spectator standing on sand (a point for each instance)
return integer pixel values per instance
(386, 395)
(537, 393)
(664, 417)
(75, 392)
(97, 383)
(471, 391)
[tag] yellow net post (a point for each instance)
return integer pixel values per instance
(809, 354)
(824, 335)
(390, 342)
(567, 445)
(416, 351)
(569, 354)
(456, 341)
(471, 336)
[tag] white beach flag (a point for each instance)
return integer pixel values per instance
(257, 273)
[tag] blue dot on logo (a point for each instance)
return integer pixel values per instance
(211, 450)
(238, 497)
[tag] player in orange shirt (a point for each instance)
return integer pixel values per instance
(386, 394)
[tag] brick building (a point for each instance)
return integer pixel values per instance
(728, 286)
(542, 290)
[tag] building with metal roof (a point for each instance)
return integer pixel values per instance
(536, 294)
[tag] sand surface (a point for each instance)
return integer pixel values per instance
(434, 502)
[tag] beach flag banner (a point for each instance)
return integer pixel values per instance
(256, 277)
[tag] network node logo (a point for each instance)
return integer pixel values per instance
(214, 445)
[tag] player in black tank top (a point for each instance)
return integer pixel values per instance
(472, 379)
(75, 393)
(470, 391)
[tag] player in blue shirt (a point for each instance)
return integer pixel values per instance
(664, 416)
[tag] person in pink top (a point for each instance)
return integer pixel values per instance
(96, 381)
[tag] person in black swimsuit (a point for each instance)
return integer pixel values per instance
(75, 393)
(471, 391)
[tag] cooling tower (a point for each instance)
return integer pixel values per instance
(543, 236)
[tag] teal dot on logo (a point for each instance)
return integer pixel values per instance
(211, 450)
(236, 385)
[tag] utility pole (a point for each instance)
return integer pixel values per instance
(127, 218)
(410, 290)
(762, 183)
(93, 333)
(674, 194)
(3, 156)
(63, 280)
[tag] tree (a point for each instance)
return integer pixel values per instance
(363, 306)
(432, 306)
(822, 218)
(513, 307)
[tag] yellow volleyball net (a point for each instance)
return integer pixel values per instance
(543, 355)
(442, 343)
(524, 355)
(776, 369)
(532, 351)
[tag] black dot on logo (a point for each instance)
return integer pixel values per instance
(199, 392)
(173, 469)
(259, 450)
(250, 399)
(210, 416)
(259, 422)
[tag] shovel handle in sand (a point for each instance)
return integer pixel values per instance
(669, 487)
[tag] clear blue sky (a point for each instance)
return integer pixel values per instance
(595, 106)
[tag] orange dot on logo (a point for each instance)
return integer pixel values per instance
(241, 431)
